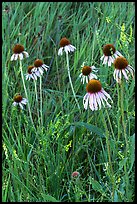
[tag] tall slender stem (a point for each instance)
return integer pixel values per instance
(36, 99)
(111, 174)
(126, 140)
(26, 92)
(41, 99)
(71, 82)
(118, 111)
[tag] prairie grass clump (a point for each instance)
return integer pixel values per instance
(60, 143)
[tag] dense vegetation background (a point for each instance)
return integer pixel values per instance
(38, 163)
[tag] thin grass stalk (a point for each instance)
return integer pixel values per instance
(111, 173)
(125, 136)
(118, 110)
(26, 93)
(71, 82)
(41, 100)
(37, 99)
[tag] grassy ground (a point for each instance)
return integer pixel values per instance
(38, 162)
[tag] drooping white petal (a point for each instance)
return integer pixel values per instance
(60, 51)
(66, 49)
(12, 57)
(26, 54)
(91, 102)
(104, 97)
(85, 100)
(105, 60)
(105, 93)
(102, 57)
(21, 56)
(15, 103)
(114, 74)
(15, 56)
(118, 53)
(101, 99)
(95, 102)
(24, 101)
(21, 106)
(98, 100)
(86, 79)
(125, 74)
(109, 61)
(72, 47)
(92, 76)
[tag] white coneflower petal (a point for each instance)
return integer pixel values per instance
(16, 56)
(105, 60)
(125, 75)
(26, 54)
(12, 57)
(14, 103)
(21, 106)
(85, 101)
(60, 51)
(91, 102)
(21, 56)
(98, 100)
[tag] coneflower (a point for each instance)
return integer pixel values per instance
(109, 54)
(96, 96)
(87, 73)
(19, 101)
(122, 68)
(39, 67)
(19, 52)
(66, 46)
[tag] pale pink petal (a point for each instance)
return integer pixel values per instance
(125, 74)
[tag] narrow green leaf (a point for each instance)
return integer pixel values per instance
(49, 198)
(91, 128)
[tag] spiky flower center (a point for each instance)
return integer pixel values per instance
(64, 42)
(93, 86)
(86, 70)
(18, 48)
(109, 50)
(17, 98)
(120, 63)
(38, 63)
(30, 69)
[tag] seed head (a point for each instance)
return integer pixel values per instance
(18, 48)
(109, 50)
(120, 63)
(93, 86)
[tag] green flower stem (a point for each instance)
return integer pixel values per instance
(122, 115)
(126, 140)
(71, 82)
(118, 110)
(37, 99)
(26, 92)
(41, 99)
(110, 168)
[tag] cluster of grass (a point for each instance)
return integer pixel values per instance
(38, 163)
